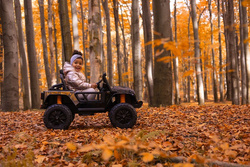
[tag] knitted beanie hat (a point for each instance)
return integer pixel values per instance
(74, 57)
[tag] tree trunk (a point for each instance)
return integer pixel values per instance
(220, 53)
(55, 44)
(83, 40)
(200, 87)
(162, 71)
(101, 41)
(75, 25)
(232, 52)
(148, 48)
(1, 56)
(189, 61)
(65, 29)
(23, 62)
(243, 59)
(125, 64)
(44, 42)
(119, 65)
(95, 40)
(246, 50)
(228, 58)
(51, 46)
(213, 59)
(205, 78)
(109, 46)
(136, 49)
(10, 96)
(176, 62)
(34, 81)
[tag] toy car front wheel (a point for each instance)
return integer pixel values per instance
(123, 115)
(57, 116)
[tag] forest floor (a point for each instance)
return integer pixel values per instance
(216, 133)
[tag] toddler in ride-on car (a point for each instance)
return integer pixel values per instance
(75, 79)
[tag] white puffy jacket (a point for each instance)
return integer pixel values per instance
(74, 80)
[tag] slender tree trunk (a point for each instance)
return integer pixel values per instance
(200, 87)
(205, 78)
(246, 50)
(51, 46)
(228, 58)
(75, 25)
(220, 53)
(119, 66)
(95, 40)
(109, 46)
(55, 44)
(83, 40)
(44, 42)
(65, 26)
(101, 40)
(148, 48)
(23, 55)
(213, 59)
(34, 81)
(175, 62)
(243, 59)
(136, 49)
(10, 96)
(189, 61)
(232, 52)
(125, 64)
(1, 56)
(162, 71)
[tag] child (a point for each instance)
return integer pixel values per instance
(75, 79)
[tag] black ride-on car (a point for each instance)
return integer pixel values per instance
(62, 104)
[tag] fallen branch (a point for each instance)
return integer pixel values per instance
(207, 162)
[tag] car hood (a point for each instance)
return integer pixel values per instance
(123, 90)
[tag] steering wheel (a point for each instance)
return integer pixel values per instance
(106, 81)
(98, 84)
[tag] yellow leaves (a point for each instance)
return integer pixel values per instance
(188, 73)
(165, 59)
(224, 146)
(147, 157)
(215, 132)
(117, 155)
(86, 148)
(40, 158)
(106, 154)
(71, 146)
(118, 165)
(159, 52)
(245, 3)
(184, 165)
(230, 153)
(197, 158)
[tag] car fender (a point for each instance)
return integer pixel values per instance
(56, 97)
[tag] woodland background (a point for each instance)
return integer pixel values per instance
(193, 51)
(170, 52)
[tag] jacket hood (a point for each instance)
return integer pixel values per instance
(67, 68)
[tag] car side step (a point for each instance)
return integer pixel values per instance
(91, 109)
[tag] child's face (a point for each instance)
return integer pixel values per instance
(77, 64)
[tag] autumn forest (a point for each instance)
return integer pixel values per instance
(177, 55)
(197, 51)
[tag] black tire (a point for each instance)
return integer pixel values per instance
(123, 115)
(57, 116)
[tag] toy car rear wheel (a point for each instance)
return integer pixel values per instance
(123, 115)
(57, 116)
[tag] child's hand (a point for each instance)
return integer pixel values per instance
(94, 85)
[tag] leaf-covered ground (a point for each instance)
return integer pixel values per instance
(204, 134)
